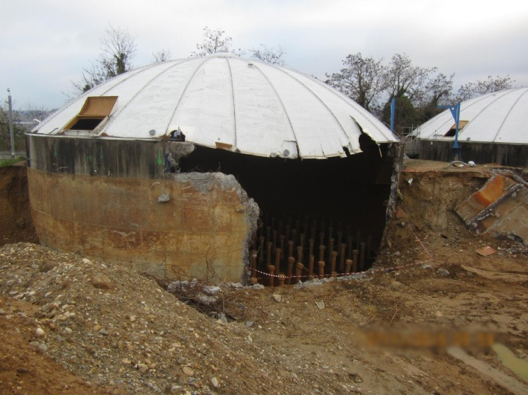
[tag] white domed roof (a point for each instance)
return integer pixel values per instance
(498, 117)
(244, 105)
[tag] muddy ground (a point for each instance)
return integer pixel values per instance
(434, 317)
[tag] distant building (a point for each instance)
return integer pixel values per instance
(493, 128)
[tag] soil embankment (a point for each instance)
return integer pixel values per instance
(16, 224)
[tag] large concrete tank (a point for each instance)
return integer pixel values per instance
(113, 174)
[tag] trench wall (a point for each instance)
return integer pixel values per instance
(100, 198)
(15, 220)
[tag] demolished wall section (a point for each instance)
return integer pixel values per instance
(166, 224)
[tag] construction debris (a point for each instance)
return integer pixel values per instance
(500, 208)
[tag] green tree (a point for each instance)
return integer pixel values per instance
(405, 117)
(18, 131)
(402, 78)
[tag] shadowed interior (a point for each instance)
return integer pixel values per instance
(310, 197)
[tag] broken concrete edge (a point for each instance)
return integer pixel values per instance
(179, 149)
(206, 182)
(397, 151)
(251, 209)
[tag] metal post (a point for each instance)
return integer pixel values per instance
(456, 115)
(455, 112)
(11, 134)
(393, 112)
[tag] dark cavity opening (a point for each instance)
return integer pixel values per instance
(86, 124)
(338, 203)
(451, 132)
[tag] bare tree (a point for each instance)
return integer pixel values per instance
(118, 49)
(404, 79)
(91, 77)
(214, 41)
(162, 56)
(362, 79)
(4, 129)
(417, 91)
(269, 55)
(479, 87)
(439, 90)
(34, 113)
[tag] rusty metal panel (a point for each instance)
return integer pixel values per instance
(496, 188)
(500, 208)
(99, 106)
(509, 218)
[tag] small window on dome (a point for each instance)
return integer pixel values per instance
(94, 110)
(451, 132)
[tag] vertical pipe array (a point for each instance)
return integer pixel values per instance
(272, 275)
(282, 243)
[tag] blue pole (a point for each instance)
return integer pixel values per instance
(455, 112)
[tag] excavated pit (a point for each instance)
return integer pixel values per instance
(311, 210)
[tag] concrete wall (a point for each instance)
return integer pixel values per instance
(100, 198)
(481, 153)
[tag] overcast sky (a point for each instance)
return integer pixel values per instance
(45, 44)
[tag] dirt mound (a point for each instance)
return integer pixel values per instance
(116, 327)
(119, 332)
